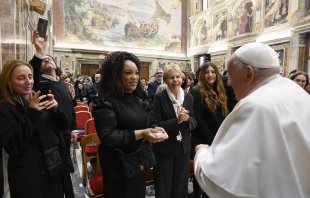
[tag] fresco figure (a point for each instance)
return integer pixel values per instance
(201, 32)
(276, 11)
(219, 30)
(244, 19)
(307, 7)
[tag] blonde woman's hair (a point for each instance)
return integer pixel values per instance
(211, 95)
(171, 68)
(6, 93)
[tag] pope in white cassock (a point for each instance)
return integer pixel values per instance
(262, 148)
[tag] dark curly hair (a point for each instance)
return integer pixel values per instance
(111, 71)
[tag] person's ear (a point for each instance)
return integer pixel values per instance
(250, 73)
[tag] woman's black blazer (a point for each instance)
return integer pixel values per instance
(165, 117)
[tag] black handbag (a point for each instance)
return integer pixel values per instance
(139, 160)
(142, 158)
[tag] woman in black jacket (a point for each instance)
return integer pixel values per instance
(123, 128)
(210, 107)
(38, 163)
(173, 111)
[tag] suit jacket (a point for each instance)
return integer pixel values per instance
(151, 88)
(165, 117)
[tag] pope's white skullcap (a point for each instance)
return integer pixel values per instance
(258, 55)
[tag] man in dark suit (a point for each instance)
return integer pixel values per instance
(95, 88)
(152, 86)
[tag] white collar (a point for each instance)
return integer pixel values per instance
(50, 77)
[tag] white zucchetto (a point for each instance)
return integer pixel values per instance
(258, 55)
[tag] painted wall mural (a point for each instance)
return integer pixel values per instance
(304, 7)
(216, 2)
(307, 7)
(200, 31)
(244, 18)
(276, 12)
(219, 31)
(145, 24)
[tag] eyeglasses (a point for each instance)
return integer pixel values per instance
(48, 59)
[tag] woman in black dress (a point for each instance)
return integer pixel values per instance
(38, 164)
(210, 107)
(122, 125)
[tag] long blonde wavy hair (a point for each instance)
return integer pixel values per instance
(211, 95)
(6, 93)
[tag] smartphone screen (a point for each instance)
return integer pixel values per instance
(44, 88)
(42, 27)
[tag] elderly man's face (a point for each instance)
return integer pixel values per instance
(159, 74)
(237, 80)
(97, 78)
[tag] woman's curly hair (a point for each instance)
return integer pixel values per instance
(111, 72)
(210, 96)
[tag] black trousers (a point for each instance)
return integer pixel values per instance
(1, 174)
(171, 175)
(116, 186)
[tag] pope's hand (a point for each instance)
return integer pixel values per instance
(200, 146)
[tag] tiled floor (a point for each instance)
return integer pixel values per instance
(79, 189)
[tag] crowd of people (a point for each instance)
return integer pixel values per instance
(247, 131)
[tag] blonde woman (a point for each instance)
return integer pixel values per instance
(38, 161)
(173, 111)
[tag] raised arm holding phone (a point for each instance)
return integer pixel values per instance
(45, 69)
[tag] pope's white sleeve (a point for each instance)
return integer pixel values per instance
(205, 183)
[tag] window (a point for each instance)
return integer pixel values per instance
(204, 4)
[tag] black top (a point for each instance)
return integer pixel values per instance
(207, 122)
(117, 118)
(115, 121)
(31, 139)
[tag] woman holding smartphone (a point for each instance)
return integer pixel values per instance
(38, 164)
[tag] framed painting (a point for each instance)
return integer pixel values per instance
(281, 56)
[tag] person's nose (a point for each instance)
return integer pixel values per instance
(28, 81)
(135, 76)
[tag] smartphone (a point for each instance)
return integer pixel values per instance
(44, 87)
(42, 27)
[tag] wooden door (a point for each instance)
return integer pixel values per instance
(89, 70)
(145, 70)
